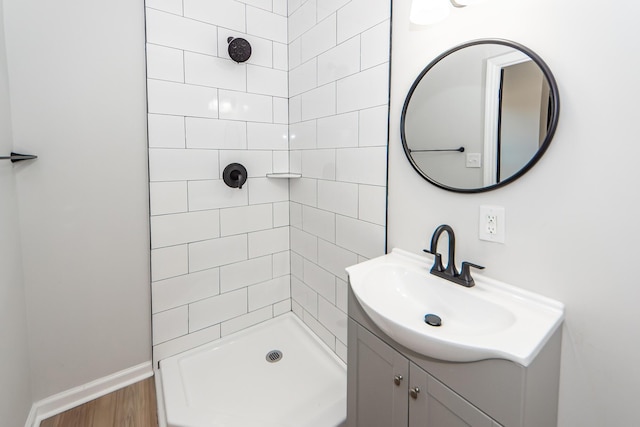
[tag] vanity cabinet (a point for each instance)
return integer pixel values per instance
(387, 390)
(389, 385)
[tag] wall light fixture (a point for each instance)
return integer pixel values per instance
(429, 12)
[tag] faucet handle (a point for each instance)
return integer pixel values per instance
(437, 261)
(465, 274)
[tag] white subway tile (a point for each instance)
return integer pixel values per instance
(338, 197)
(245, 273)
(225, 13)
(319, 39)
(217, 252)
(181, 99)
(216, 134)
(166, 131)
(360, 15)
(280, 7)
(360, 237)
(267, 293)
(304, 244)
(319, 102)
(281, 264)
(327, 7)
(320, 280)
(342, 295)
(262, 4)
(295, 215)
(335, 259)
(303, 135)
(280, 110)
(295, 161)
(184, 343)
(341, 61)
(305, 296)
(171, 6)
(295, 109)
(338, 131)
(375, 45)
(267, 81)
(280, 56)
(246, 320)
(320, 164)
(362, 165)
(266, 24)
(169, 262)
(295, 53)
(267, 190)
(205, 70)
(179, 165)
(257, 162)
(293, 5)
(319, 329)
(303, 190)
(184, 289)
(217, 309)
(268, 242)
(302, 19)
(168, 197)
(281, 212)
(245, 106)
(267, 136)
(175, 31)
(245, 219)
(333, 319)
(174, 229)
(372, 203)
(282, 307)
(214, 194)
(261, 49)
(303, 78)
(373, 126)
(281, 161)
(369, 88)
(297, 265)
(165, 63)
(319, 223)
(170, 324)
(341, 350)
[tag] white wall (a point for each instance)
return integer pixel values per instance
(76, 71)
(339, 87)
(572, 221)
(220, 255)
(15, 390)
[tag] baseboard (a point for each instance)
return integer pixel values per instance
(71, 398)
(162, 416)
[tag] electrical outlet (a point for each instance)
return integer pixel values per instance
(491, 226)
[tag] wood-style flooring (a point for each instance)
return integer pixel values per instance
(132, 406)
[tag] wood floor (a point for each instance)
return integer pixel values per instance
(132, 406)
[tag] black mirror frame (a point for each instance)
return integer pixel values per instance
(555, 112)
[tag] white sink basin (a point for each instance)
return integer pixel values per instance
(491, 320)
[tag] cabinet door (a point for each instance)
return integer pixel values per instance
(432, 404)
(377, 382)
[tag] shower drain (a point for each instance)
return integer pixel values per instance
(274, 356)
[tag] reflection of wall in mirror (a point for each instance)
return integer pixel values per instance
(447, 111)
(525, 96)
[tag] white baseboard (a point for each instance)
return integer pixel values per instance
(162, 416)
(52, 405)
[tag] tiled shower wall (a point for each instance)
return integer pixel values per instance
(312, 99)
(338, 108)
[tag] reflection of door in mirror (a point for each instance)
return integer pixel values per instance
(517, 118)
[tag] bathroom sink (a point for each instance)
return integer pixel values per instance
(492, 320)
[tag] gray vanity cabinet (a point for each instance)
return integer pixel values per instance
(382, 377)
(387, 390)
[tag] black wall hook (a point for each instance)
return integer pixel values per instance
(234, 175)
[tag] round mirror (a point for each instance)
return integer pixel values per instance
(479, 116)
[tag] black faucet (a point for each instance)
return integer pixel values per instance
(450, 272)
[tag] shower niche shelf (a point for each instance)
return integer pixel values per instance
(284, 175)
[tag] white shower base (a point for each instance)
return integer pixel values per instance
(229, 383)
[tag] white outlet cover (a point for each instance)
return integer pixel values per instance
(484, 232)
